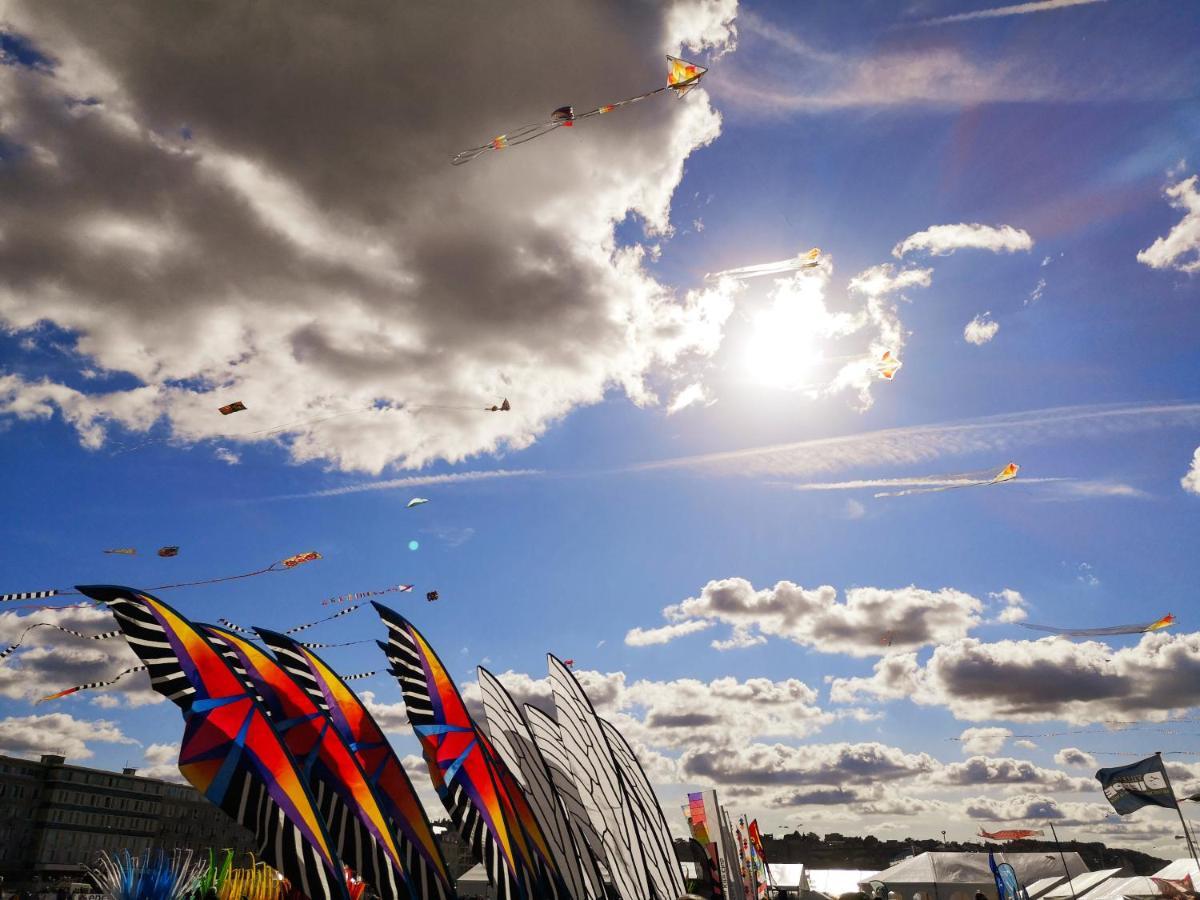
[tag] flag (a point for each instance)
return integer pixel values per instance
(1145, 783)
(1007, 885)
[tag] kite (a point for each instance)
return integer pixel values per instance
(230, 751)
(1172, 887)
(1016, 834)
(517, 749)
(885, 639)
(344, 797)
(290, 563)
(166, 552)
(91, 685)
(8, 651)
(569, 663)
(682, 76)
(431, 596)
(601, 788)
(464, 773)
(123, 551)
(657, 843)
(809, 260)
(548, 737)
(1144, 628)
(428, 874)
(887, 366)
(980, 478)
(503, 407)
(235, 406)
(360, 595)
(415, 501)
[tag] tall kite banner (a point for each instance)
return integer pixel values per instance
(429, 878)
(230, 751)
(462, 770)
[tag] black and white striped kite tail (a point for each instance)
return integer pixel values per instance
(336, 615)
(28, 595)
(316, 645)
(235, 627)
(357, 676)
(4, 654)
(92, 685)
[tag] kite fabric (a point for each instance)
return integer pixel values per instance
(361, 595)
(601, 787)
(887, 366)
(514, 743)
(465, 774)
(429, 875)
(415, 501)
(123, 551)
(362, 838)
(1144, 783)
(91, 685)
(1176, 887)
(1015, 834)
(503, 407)
(682, 76)
(230, 752)
(431, 596)
(980, 478)
(8, 651)
(235, 406)
(167, 552)
(657, 844)
(1144, 628)
(29, 595)
(809, 260)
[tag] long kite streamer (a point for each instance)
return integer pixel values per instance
(91, 685)
(295, 629)
(7, 651)
(230, 751)
(682, 76)
(282, 565)
(1015, 834)
(356, 822)
(363, 595)
(463, 772)
(937, 483)
(1143, 628)
(809, 260)
(428, 875)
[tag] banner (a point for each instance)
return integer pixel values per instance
(1145, 783)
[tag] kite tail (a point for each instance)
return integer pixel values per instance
(92, 684)
(4, 654)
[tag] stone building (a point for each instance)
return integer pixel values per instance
(55, 818)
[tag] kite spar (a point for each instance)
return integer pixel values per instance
(682, 76)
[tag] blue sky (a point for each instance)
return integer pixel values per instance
(848, 128)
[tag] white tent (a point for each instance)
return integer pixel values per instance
(835, 882)
(1176, 869)
(958, 876)
(1042, 885)
(1077, 887)
(1116, 888)
(791, 876)
(474, 883)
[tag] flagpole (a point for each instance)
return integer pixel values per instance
(1186, 832)
(1063, 857)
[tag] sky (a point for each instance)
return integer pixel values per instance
(201, 205)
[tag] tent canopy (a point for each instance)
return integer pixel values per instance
(958, 876)
(835, 882)
(1077, 887)
(1042, 885)
(1114, 888)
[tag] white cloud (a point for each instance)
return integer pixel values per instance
(988, 770)
(1087, 575)
(57, 733)
(368, 286)
(940, 240)
(987, 741)
(1038, 289)
(1082, 682)
(162, 762)
(1025, 744)
(392, 484)
(980, 330)
(1014, 606)
(1018, 9)
(227, 456)
(1180, 249)
(1191, 479)
(911, 617)
(1072, 756)
(647, 637)
(692, 394)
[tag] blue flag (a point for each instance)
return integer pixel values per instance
(1145, 783)
(1007, 885)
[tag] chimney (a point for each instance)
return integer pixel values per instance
(128, 771)
(52, 759)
